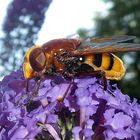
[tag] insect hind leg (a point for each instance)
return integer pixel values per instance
(96, 73)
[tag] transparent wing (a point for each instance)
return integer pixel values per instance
(115, 39)
(110, 45)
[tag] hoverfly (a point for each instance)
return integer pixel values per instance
(75, 57)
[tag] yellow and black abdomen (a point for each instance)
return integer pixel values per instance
(107, 62)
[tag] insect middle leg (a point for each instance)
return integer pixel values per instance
(61, 99)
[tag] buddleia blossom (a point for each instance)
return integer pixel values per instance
(87, 112)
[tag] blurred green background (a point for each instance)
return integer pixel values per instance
(25, 18)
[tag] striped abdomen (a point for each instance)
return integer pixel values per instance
(107, 62)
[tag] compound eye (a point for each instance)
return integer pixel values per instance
(37, 59)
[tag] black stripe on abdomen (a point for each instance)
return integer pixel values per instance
(97, 59)
(111, 62)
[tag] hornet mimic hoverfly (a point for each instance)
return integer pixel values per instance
(75, 57)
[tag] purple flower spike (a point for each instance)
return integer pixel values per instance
(87, 112)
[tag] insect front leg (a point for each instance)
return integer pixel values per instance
(35, 92)
(26, 86)
(26, 92)
(38, 82)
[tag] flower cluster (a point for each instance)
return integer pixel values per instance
(87, 112)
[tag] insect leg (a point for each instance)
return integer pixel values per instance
(27, 86)
(35, 92)
(26, 92)
(96, 73)
(61, 99)
(38, 82)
